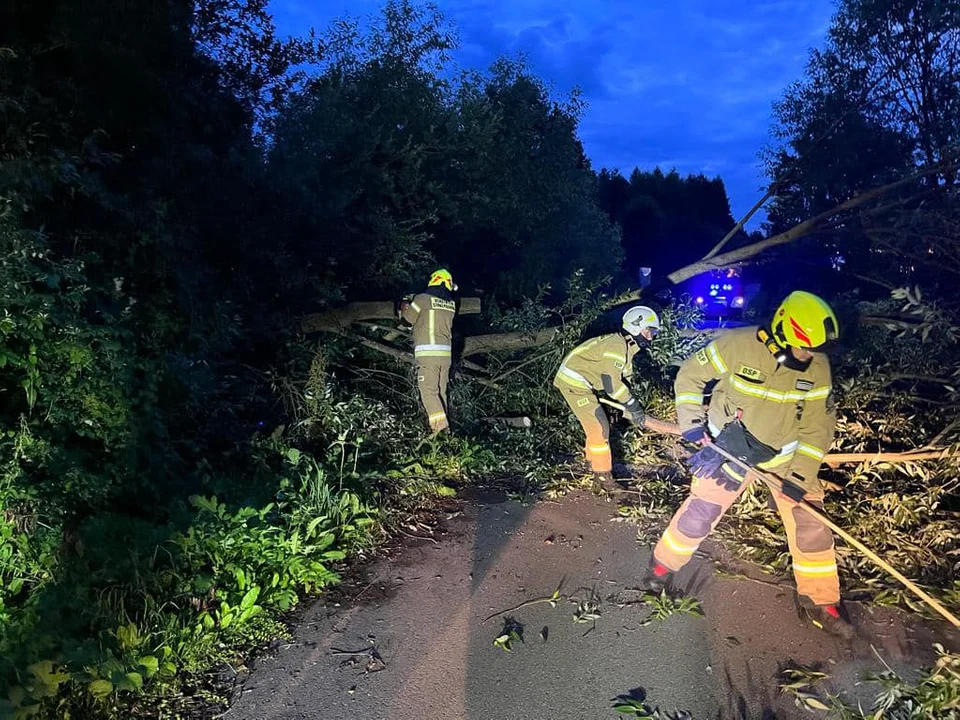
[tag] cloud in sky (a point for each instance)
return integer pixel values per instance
(686, 84)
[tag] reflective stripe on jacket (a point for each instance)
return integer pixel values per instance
(431, 313)
(787, 409)
(600, 364)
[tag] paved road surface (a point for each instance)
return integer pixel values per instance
(423, 612)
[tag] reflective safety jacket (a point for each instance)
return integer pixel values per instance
(792, 411)
(600, 364)
(431, 313)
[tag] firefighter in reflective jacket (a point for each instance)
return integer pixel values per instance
(431, 314)
(600, 365)
(773, 407)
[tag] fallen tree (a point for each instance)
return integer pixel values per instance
(358, 320)
(712, 261)
(342, 317)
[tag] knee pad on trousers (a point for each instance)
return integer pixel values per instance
(698, 518)
(812, 535)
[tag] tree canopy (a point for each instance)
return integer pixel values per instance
(878, 102)
(666, 221)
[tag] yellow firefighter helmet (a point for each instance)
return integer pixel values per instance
(442, 277)
(804, 320)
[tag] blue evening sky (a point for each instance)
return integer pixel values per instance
(676, 83)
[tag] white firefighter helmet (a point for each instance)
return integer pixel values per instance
(639, 318)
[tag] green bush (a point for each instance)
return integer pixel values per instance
(184, 596)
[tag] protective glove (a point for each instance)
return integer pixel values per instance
(727, 482)
(633, 412)
(401, 306)
(695, 435)
(706, 463)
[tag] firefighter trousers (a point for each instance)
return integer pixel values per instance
(810, 542)
(433, 374)
(587, 410)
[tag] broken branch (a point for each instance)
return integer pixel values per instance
(831, 459)
(552, 599)
(736, 228)
(835, 459)
(798, 231)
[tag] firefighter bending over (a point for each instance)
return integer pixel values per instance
(431, 314)
(600, 364)
(772, 407)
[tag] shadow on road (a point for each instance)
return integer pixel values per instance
(434, 612)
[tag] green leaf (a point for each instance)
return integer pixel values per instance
(813, 702)
(26, 711)
(136, 679)
(245, 615)
(293, 455)
(240, 577)
(312, 526)
(250, 598)
(100, 688)
(31, 389)
(131, 682)
(112, 666)
(47, 677)
(128, 636)
(150, 665)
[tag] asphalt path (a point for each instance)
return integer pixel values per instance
(410, 639)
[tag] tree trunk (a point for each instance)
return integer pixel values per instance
(478, 344)
(339, 318)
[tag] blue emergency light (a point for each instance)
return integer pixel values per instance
(719, 291)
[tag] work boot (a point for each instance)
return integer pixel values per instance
(604, 481)
(657, 578)
(831, 618)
